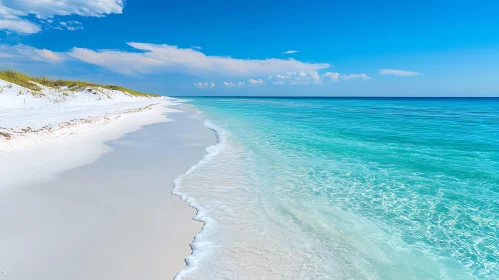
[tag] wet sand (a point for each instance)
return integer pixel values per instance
(113, 219)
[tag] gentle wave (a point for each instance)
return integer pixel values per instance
(200, 247)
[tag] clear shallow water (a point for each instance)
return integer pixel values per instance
(347, 189)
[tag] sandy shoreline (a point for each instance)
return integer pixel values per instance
(114, 217)
(46, 154)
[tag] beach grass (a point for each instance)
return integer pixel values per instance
(19, 79)
(26, 81)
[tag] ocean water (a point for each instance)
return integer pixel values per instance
(346, 189)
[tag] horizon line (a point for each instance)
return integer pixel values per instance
(342, 97)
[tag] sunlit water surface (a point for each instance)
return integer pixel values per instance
(347, 189)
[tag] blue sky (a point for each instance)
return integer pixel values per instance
(342, 48)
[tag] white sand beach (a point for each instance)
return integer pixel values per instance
(47, 125)
(85, 185)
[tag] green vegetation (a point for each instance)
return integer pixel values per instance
(18, 79)
(26, 81)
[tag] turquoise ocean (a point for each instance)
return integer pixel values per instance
(346, 188)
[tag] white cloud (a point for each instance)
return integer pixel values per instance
(197, 47)
(50, 8)
(19, 26)
(232, 84)
(71, 25)
(204, 85)
(22, 52)
(158, 58)
(361, 76)
(8, 13)
(290, 52)
(121, 62)
(296, 78)
(10, 20)
(331, 76)
(14, 13)
(398, 72)
(277, 76)
(256, 82)
(312, 77)
(301, 77)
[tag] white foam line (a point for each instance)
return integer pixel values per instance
(198, 243)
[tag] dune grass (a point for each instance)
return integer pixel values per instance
(19, 79)
(24, 80)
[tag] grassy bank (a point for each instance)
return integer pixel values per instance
(24, 80)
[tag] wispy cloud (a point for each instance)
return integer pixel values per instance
(159, 58)
(294, 78)
(26, 53)
(204, 85)
(312, 77)
(361, 76)
(290, 52)
(256, 82)
(300, 78)
(71, 25)
(277, 76)
(331, 76)
(19, 26)
(14, 14)
(234, 84)
(395, 72)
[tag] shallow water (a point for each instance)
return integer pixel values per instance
(347, 189)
